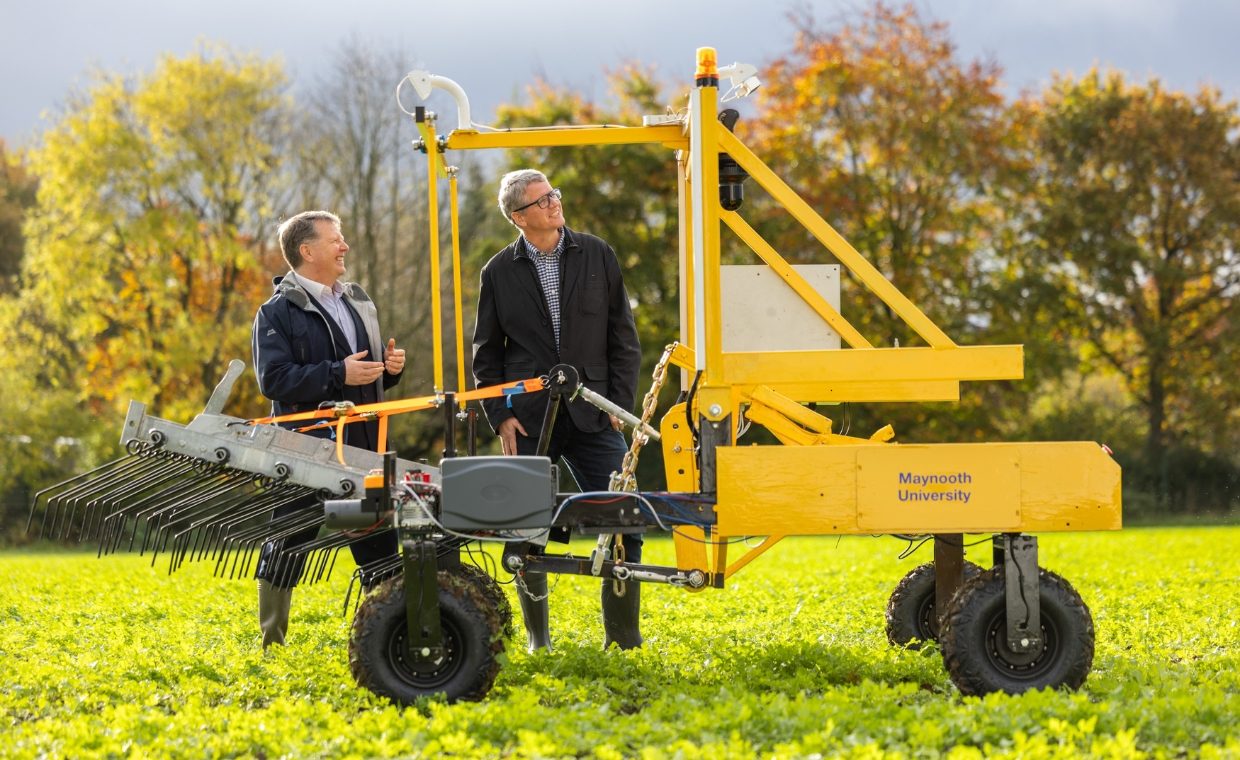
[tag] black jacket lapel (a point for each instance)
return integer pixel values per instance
(570, 272)
(528, 278)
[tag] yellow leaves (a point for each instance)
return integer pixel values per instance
(141, 255)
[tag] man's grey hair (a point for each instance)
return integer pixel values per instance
(301, 229)
(512, 189)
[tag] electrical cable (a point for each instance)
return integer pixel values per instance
(917, 541)
(689, 408)
(1020, 577)
(469, 537)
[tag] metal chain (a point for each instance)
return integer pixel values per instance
(626, 479)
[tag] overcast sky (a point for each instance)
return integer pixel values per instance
(493, 48)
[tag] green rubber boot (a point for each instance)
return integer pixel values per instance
(273, 607)
(535, 609)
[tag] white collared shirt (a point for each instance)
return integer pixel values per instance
(332, 299)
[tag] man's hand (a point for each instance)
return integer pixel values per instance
(616, 423)
(393, 358)
(358, 372)
(508, 430)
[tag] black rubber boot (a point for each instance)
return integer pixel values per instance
(622, 616)
(535, 609)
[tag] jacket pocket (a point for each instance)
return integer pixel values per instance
(518, 371)
(596, 377)
(594, 298)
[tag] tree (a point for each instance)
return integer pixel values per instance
(899, 145)
(153, 215)
(17, 192)
(1138, 220)
(908, 151)
(144, 247)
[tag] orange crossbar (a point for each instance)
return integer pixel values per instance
(382, 410)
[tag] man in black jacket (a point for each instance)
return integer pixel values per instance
(317, 339)
(556, 296)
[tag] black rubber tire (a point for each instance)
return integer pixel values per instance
(975, 647)
(910, 608)
(493, 592)
(472, 638)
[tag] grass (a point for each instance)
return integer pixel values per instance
(113, 658)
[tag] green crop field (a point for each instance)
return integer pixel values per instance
(114, 658)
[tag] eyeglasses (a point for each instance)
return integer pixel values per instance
(542, 201)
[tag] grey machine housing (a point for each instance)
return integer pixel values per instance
(497, 493)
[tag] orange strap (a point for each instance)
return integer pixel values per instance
(418, 403)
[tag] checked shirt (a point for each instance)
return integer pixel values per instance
(547, 265)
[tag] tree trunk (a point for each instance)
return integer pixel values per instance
(1155, 441)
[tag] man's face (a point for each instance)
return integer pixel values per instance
(323, 257)
(536, 219)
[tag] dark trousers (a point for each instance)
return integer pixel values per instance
(591, 458)
(280, 564)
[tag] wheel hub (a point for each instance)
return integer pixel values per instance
(426, 674)
(1026, 664)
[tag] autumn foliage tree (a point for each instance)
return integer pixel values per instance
(1136, 219)
(154, 209)
(900, 145)
(143, 271)
(17, 191)
(907, 150)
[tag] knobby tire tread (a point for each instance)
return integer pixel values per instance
(970, 612)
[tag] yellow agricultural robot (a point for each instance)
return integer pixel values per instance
(757, 345)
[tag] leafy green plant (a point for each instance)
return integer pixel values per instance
(112, 657)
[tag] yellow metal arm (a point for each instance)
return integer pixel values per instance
(835, 243)
(670, 135)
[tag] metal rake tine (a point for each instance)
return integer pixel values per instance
(212, 530)
(106, 511)
(125, 519)
(202, 499)
(327, 561)
(156, 462)
(67, 502)
(263, 504)
(324, 546)
(311, 551)
(112, 528)
(91, 519)
(198, 520)
(166, 501)
(96, 512)
(383, 568)
(246, 541)
(208, 531)
(288, 525)
(271, 529)
(48, 491)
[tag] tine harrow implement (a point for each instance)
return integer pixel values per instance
(207, 490)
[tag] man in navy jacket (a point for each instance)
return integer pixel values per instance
(317, 339)
(556, 296)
